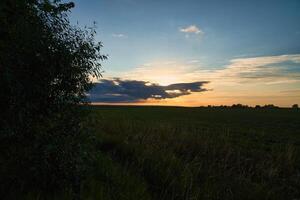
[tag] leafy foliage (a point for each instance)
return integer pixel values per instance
(46, 65)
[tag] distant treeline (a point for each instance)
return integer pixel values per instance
(267, 106)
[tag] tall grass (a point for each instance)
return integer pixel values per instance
(195, 153)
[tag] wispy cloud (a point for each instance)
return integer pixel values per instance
(255, 70)
(191, 29)
(266, 70)
(118, 91)
(119, 35)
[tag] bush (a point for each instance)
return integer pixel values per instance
(45, 70)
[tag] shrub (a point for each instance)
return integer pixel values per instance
(45, 70)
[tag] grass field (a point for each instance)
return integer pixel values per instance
(195, 153)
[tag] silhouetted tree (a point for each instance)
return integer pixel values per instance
(45, 70)
(295, 106)
(270, 106)
(239, 106)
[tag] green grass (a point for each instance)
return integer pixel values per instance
(195, 153)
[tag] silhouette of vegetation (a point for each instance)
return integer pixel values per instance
(295, 106)
(45, 70)
(270, 106)
(239, 106)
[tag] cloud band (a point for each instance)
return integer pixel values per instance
(121, 91)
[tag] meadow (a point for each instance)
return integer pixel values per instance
(167, 153)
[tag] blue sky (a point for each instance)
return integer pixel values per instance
(211, 33)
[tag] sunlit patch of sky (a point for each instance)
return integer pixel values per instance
(158, 40)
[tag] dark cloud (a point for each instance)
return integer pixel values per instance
(117, 90)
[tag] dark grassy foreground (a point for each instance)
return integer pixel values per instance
(195, 153)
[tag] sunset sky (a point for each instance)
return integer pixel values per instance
(196, 52)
